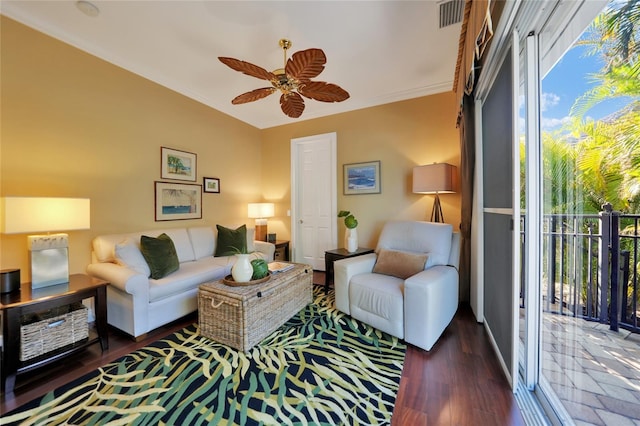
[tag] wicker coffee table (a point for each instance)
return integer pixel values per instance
(242, 316)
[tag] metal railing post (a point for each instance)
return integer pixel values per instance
(590, 287)
(551, 259)
(603, 261)
(625, 254)
(615, 271)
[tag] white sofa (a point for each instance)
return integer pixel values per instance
(416, 309)
(137, 304)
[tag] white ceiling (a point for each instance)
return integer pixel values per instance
(379, 51)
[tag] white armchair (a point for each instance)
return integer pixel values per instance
(409, 287)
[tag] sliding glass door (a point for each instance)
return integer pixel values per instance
(559, 232)
(549, 161)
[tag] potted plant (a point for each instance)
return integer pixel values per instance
(242, 270)
(351, 234)
(246, 269)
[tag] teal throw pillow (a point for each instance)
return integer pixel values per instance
(231, 241)
(160, 254)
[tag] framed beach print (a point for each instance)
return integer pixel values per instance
(178, 201)
(211, 185)
(178, 165)
(362, 178)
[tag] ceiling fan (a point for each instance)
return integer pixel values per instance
(293, 80)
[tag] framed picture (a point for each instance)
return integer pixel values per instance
(211, 185)
(178, 165)
(177, 201)
(362, 178)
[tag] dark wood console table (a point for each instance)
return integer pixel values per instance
(15, 305)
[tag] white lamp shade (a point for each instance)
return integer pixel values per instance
(261, 210)
(434, 178)
(42, 214)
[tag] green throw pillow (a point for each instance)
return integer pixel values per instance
(231, 241)
(160, 254)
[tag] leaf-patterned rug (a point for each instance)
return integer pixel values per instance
(321, 368)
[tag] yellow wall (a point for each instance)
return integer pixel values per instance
(401, 135)
(73, 125)
(76, 126)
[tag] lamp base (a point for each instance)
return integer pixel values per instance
(49, 260)
(261, 232)
(436, 213)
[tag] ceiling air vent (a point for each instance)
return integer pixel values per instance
(451, 12)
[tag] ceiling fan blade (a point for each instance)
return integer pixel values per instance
(322, 91)
(292, 104)
(306, 64)
(253, 95)
(247, 68)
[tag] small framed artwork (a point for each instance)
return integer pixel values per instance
(178, 201)
(178, 165)
(211, 185)
(362, 178)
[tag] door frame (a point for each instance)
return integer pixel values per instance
(296, 143)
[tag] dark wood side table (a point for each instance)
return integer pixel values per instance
(331, 256)
(16, 304)
(282, 250)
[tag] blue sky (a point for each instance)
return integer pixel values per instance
(567, 81)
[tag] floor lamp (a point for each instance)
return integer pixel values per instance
(436, 178)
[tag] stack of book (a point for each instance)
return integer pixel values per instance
(275, 267)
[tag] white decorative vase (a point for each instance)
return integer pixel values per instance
(351, 239)
(242, 269)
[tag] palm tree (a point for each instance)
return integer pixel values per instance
(175, 164)
(615, 36)
(608, 150)
(562, 191)
(620, 24)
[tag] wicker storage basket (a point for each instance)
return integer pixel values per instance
(47, 331)
(242, 316)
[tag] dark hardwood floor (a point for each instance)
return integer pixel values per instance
(458, 382)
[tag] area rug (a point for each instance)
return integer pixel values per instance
(321, 368)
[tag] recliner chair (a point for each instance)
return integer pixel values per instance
(409, 286)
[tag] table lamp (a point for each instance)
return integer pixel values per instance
(436, 178)
(260, 212)
(49, 253)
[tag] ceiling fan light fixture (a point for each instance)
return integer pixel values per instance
(293, 80)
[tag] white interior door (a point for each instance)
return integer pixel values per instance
(313, 198)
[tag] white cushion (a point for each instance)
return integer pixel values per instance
(251, 236)
(127, 253)
(182, 242)
(203, 241)
(378, 300)
(418, 237)
(188, 277)
(104, 245)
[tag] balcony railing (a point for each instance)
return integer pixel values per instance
(588, 259)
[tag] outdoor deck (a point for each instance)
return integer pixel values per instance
(590, 341)
(595, 372)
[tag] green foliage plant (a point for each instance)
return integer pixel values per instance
(349, 220)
